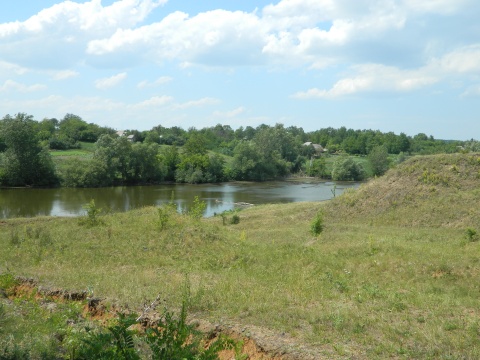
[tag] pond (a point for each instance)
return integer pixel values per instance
(218, 197)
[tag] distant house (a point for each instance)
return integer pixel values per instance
(129, 137)
(318, 148)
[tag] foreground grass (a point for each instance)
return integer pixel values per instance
(398, 283)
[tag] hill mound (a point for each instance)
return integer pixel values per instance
(437, 190)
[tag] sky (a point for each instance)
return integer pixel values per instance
(406, 66)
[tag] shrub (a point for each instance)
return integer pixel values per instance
(165, 213)
(115, 343)
(316, 226)
(197, 209)
(235, 219)
(471, 234)
(173, 338)
(91, 219)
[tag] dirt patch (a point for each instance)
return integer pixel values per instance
(257, 343)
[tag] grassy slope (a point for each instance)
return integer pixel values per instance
(392, 275)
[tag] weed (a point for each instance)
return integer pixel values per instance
(14, 352)
(450, 326)
(334, 190)
(373, 248)
(7, 281)
(115, 343)
(3, 317)
(91, 219)
(235, 219)
(15, 238)
(164, 213)
(197, 209)
(316, 226)
(471, 235)
(173, 338)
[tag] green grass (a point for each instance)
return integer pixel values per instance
(35, 329)
(86, 149)
(392, 275)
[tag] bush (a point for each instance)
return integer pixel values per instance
(316, 226)
(235, 219)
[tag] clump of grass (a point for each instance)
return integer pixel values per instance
(471, 234)
(233, 220)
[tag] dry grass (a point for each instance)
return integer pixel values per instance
(392, 275)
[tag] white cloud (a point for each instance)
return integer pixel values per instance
(160, 81)
(373, 78)
(58, 35)
(215, 37)
(109, 82)
(64, 74)
(9, 68)
(229, 114)
(195, 103)
(155, 101)
(311, 33)
(11, 85)
(87, 16)
(377, 77)
(462, 60)
(444, 7)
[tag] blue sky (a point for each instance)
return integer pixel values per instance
(391, 65)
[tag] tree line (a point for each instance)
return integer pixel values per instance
(212, 154)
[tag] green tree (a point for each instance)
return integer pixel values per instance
(346, 169)
(378, 159)
(25, 162)
(196, 144)
(317, 167)
(170, 157)
(146, 166)
(72, 126)
(192, 169)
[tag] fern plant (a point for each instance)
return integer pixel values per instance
(115, 343)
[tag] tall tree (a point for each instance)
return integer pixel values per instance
(378, 159)
(25, 162)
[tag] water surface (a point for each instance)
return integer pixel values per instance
(219, 197)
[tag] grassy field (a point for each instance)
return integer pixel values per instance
(394, 274)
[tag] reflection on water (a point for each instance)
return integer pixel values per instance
(218, 197)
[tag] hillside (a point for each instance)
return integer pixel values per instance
(393, 274)
(437, 190)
